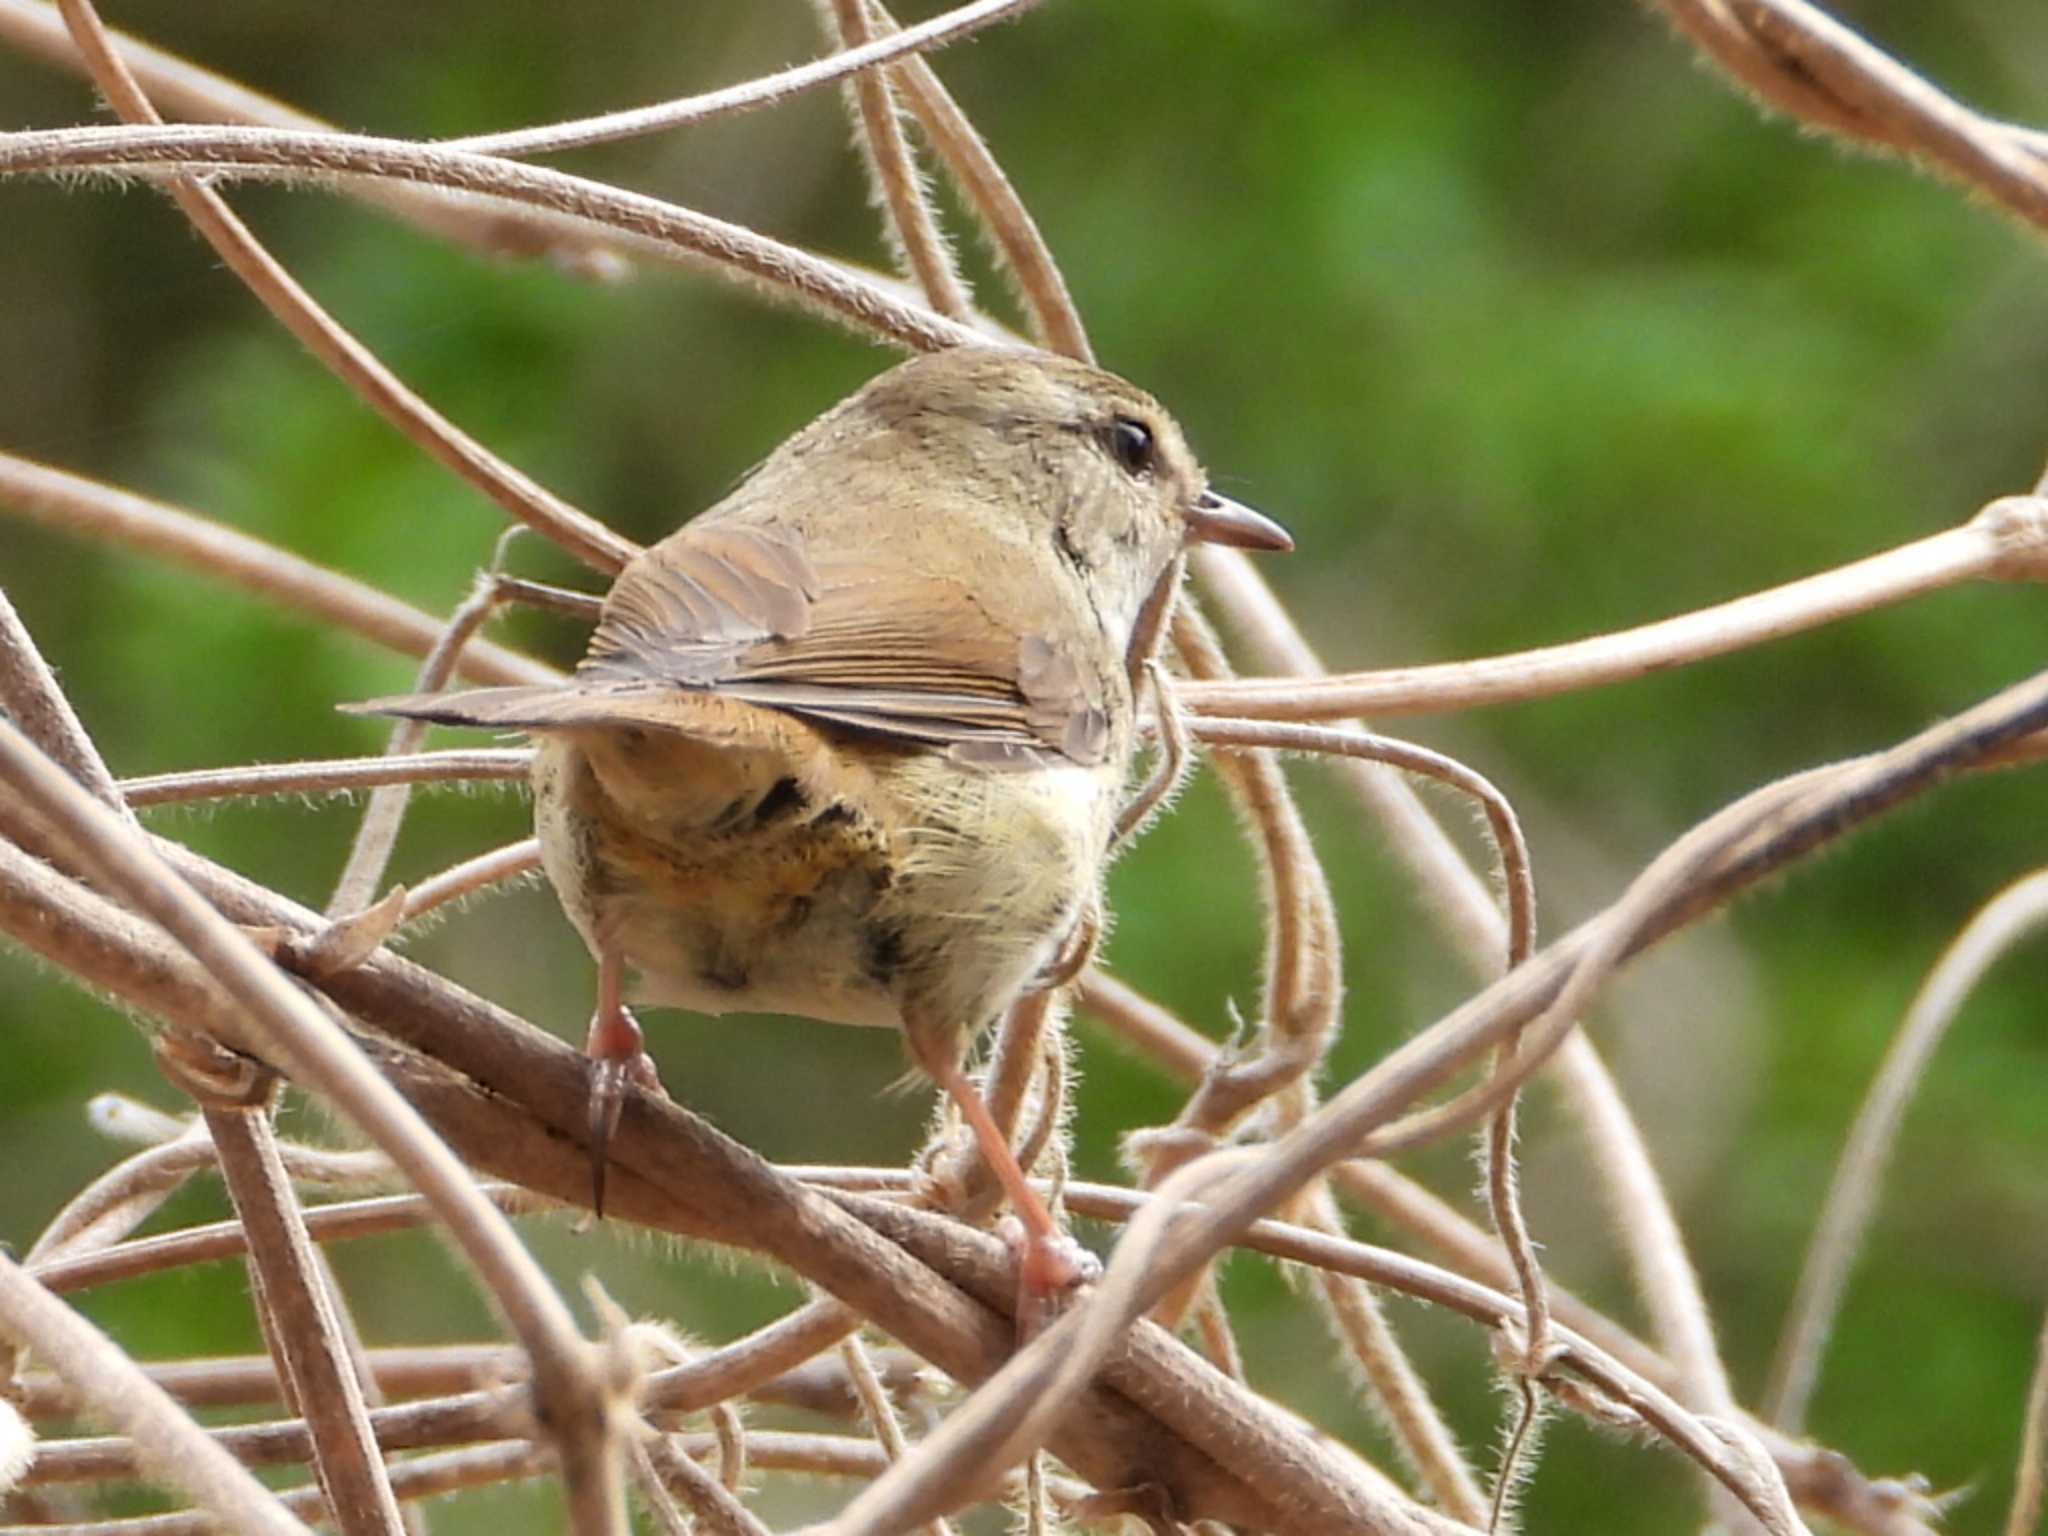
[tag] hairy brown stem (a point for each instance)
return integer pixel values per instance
(71, 503)
(663, 230)
(520, 496)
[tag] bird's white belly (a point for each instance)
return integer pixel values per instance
(930, 907)
(820, 972)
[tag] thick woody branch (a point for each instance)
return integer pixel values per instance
(513, 1101)
(302, 1038)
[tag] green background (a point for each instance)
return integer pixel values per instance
(1525, 324)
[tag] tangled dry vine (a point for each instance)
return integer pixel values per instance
(1135, 1406)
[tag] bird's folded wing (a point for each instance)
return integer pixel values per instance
(846, 639)
(843, 640)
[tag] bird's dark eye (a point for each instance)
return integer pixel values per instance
(1130, 444)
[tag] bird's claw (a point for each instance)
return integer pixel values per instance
(611, 1070)
(1051, 1270)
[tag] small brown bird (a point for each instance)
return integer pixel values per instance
(851, 743)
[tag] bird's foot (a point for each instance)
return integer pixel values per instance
(1051, 1266)
(1051, 1270)
(618, 1057)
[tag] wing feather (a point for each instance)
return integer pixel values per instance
(847, 639)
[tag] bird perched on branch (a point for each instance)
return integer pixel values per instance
(851, 744)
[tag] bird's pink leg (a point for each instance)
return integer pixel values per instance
(1050, 1265)
(617, 1055)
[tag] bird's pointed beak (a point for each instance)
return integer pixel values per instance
(1217, 519)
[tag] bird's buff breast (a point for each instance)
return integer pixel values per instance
(890, 890)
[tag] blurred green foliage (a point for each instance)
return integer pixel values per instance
(1526, 325)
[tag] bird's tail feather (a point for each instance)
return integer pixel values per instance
(529, 708)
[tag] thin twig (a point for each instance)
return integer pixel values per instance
(879, 1412)
(1172, 758)
(2012, 915)
(122, 1198)
(519, 495)
(1303, 972)
(2007, 540)
(369, 855)
(1055, 320)
(73, 504)
(1647, 1230)
(1015, 1062)
(1301, 1021)
(486, 1411)
(910, 221)
(1710, 26)
(1397, 1391)
(663, 1468)
(103, 1458)
(185, 90)
(105, 946)
(1212, 1326)
(1805, 62)
(664, 230)
(1511, 848)
(1470, 916)
(2024, 1518)
(634, 122)
(428, 1370)
(342, 775)
(471, 876)
(114, 1389)
(29, 695)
